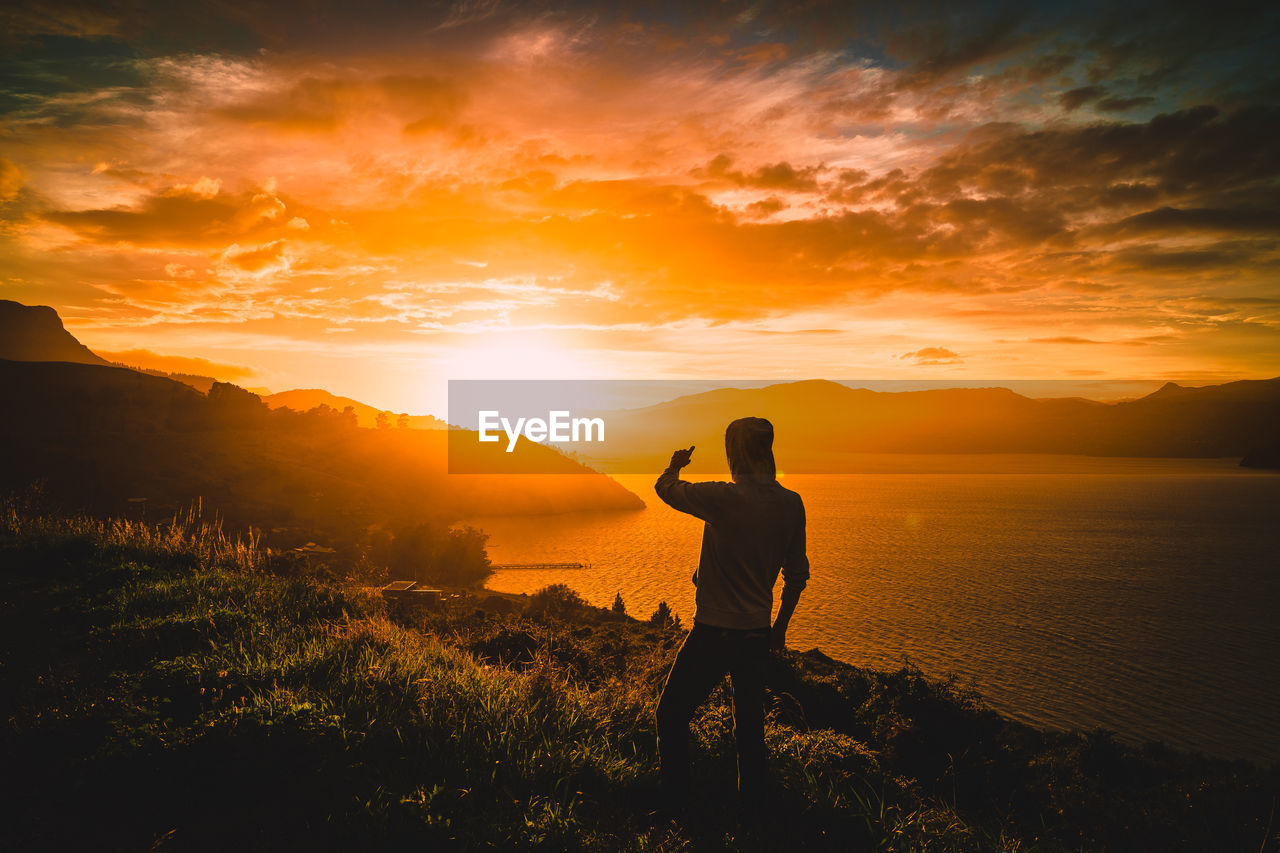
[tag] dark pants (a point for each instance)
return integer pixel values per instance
(704, 657)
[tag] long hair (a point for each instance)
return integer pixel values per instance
(748, 442)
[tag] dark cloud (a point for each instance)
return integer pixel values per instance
(777, 176)
(927, 39)
(1017, 222)
(162, 219)
(186, 215)
(957, 41)
(1183, 44)
(1178, 262)
(47, 66)
(766, 208)
(1076, 98)
(1176, 153)
(233, 26)
(1172, 220)
(1119, 105)
(1048, 66)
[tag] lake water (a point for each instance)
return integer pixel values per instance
(1137, 595)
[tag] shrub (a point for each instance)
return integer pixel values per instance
(619, 606)
(556, 600)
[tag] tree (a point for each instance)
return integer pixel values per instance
(663, 617)
(619, 606)
(383, 421)
(402, 422)
(231, 406)
(438, 554)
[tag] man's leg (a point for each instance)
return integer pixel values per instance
(746, 673)
(699, 665)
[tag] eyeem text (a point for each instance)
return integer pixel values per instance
(558, 426)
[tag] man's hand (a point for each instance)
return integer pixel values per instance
(778, 640)
(680, 458)
(790, 598)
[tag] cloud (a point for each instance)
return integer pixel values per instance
(931, 356)
(1193, 149)
(165, 219)
(11, 180)
(183, 214)
(1172, 220)
(239, 263)
(988, 176)
(1077, 98)
(1064, 339)
(948, 42)
(419, 103)
(777, 176)
(202, 188)
(1119, 105)
(765, 208)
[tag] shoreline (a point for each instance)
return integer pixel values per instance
(484, 598)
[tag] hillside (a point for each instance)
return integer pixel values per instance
(93, 437)
(302, 400)
(167, 687)
(36, 333)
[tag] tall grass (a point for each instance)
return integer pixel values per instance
(186, 537)
(174, 687)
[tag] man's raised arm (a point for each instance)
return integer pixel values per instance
(697, 499)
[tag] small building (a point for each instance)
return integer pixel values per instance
(410, 594)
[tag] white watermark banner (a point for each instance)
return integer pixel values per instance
(820, 426)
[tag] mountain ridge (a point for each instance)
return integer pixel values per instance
(819, 424)
(36, 333)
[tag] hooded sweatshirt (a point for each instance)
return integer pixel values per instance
(753, 530)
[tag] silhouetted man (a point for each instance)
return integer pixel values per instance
(754, 527)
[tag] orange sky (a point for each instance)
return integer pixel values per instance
(374, 204)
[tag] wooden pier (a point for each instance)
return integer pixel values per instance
(505, 566)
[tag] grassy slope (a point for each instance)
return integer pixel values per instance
(167, 686)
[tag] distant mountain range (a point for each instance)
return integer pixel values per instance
(822, 426)
(36, 333)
